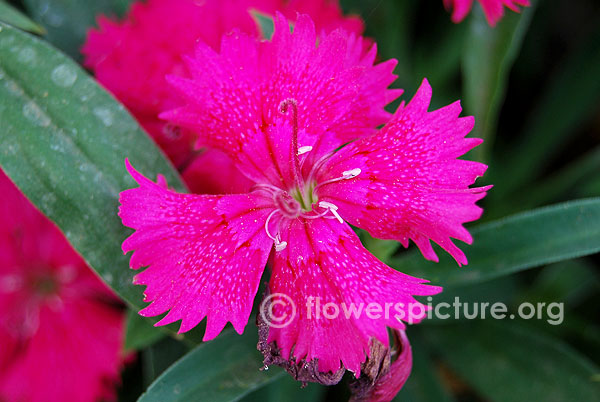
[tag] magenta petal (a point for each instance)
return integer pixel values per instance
(325, 263)
(411, 185)
(205, 254)
(200, 176)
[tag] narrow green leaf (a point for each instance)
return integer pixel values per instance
(157, 358)
(570, 98)
(140, 332)
(265, 23)
(568, 282)
(562, 182)
(63, 142)
(522, 241)
(224, 369)
(504, 289)
(67, 21)
(509, 362)
(285, 388)
(16, 18)
(488, 56)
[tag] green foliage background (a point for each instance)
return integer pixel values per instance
(533, 84)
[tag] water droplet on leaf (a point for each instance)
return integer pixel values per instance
(63, 75)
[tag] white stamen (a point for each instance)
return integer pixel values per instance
(279, 245)
(346, 175)
(350, 174)
(304, 149)
(333, 208)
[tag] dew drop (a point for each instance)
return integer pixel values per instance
(34, 114)
(48, 199)
(13, 88)
(27, 55)
(105, 115)
(63, 75)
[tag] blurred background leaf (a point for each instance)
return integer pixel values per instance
(487, 59)
(16, 18)
(67, 21)
(512, 362)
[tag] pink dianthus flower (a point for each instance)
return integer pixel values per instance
(131, 58)
(493, 9)
(283, 111)
(61, 328)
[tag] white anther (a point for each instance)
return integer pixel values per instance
(350, 174)
(280, 245)
(347, 174)
(328, 205)
(333, 208)
(304, 149)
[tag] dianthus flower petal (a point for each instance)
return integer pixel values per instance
(493, 9)
(205, 254)
(325, 264)
(54, 311)
(238, 91)
(411, 184)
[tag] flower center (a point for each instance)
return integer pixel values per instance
(288, 207)
(302, 200)
(305, 197)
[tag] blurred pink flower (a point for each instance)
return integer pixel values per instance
(493, 9)
(131, 58)
(62, 328)
(281, 110)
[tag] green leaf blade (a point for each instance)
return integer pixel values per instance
(490, 356)
(224, 369)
